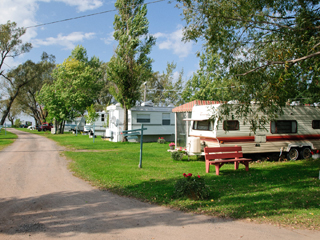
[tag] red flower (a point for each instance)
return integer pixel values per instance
(317, 151)
(162, 138)
(184, 175)
(159, 137)
(189, 175)
(198, 176)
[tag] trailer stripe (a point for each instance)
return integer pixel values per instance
(251, 138)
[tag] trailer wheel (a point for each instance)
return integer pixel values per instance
(293, 154)
(305, 153)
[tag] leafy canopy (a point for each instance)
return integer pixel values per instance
(269, 49)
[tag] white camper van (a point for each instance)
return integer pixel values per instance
(295, 133)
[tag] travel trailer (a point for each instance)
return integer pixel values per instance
(99, 125)
(295, 133)
(159, 122)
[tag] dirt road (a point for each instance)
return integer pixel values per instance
(40, 199)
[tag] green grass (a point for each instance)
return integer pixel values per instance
(281, 193)
(6, 138)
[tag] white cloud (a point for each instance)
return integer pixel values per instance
(109, 39)
(68, 41)
(83, 5)
(173, 41)
(22, 12)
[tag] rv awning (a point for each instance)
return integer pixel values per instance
(187, 107)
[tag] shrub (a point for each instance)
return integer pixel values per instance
(161, 140)
(191, 187)
(176, 155)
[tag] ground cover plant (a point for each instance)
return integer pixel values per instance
(282, 193)
(6, 138)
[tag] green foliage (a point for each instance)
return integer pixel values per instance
(10, 42)
(11, 46)
(161, 140)
(163, 88)
(192, 187)
(268, 49)
(92, 114)
(130, 66)
(177, 155)
(17, 122)
(208, 82)
(75, 87)
(41, 74)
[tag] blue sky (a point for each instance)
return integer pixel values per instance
(95, 32)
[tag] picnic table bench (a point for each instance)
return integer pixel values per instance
(218, 156)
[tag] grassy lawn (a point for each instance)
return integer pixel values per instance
(6, 138)
(281, 193)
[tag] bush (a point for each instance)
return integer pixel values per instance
(191, 187)
(161, 140)
(177, 155)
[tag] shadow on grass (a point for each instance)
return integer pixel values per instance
(276, 190)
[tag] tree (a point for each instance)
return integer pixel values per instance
(77, 83)
(16, 79)
(15, 111)
(269, 48)
(92, 114)
(27, 96)
(208, 82)
(130, 66)
(11, 46)
(163, 88)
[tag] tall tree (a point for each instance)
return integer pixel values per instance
(27, 97)
(208, 82)
(11, 46)
(77, 83)
(16, 79)
(270, 48)
(163, 88)
(130, 66)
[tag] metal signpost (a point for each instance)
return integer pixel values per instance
(132, 134)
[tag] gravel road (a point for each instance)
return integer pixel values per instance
(41, 199)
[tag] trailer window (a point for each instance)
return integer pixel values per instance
(165, 118)
(230, 125)
(143, 118)
(284, 126)
(316, 124)
(202, 125)
(102, 117)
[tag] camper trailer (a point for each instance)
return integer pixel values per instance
(99, 124)
(159, 122)
(295, 133)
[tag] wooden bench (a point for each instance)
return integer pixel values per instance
(218, 156)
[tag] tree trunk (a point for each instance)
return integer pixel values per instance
(8, 107)
(125, 122)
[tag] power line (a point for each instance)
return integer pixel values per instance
(84, 16)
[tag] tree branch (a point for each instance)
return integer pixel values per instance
(281, 63)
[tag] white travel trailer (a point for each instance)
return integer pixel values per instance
(295, 133)
(100, 124)
(159, 122)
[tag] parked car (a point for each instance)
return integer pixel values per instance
(45, 126)
(23, 126)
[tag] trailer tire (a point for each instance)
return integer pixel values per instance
(293, 154)
(305, 153)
